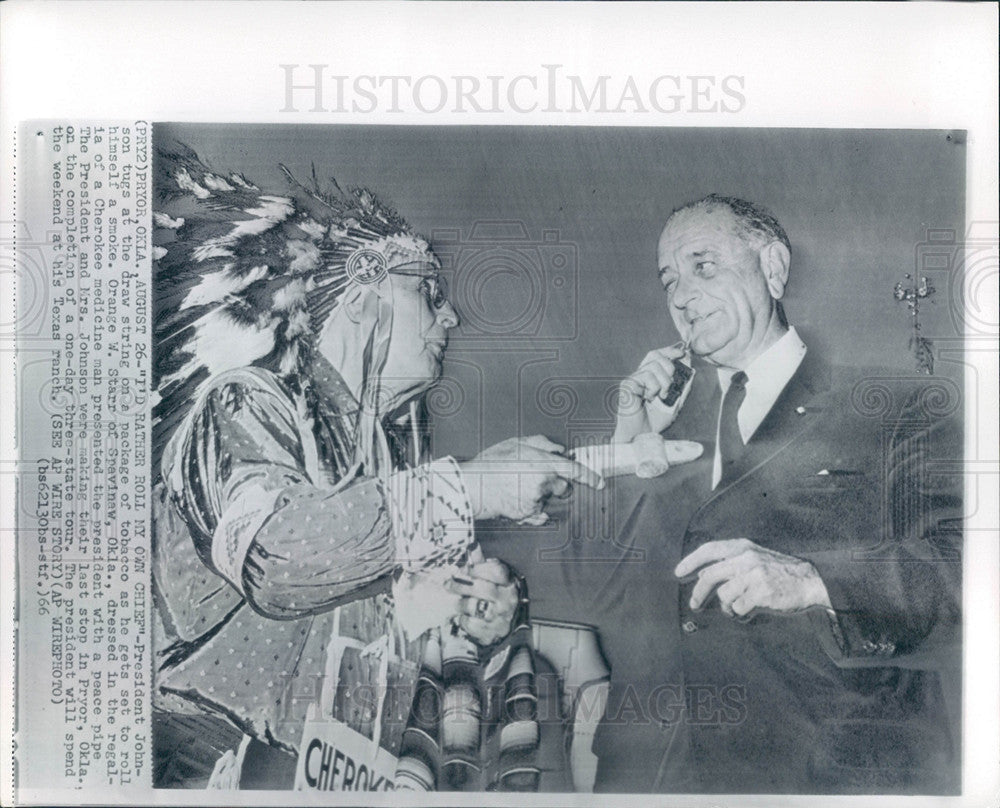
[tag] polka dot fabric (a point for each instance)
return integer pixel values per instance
(260, 534)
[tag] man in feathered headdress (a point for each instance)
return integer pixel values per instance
(294, 333)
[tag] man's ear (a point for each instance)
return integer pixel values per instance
(353, 303)
(774, 261)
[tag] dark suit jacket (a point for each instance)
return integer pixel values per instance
(784, 703)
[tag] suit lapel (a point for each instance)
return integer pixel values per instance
(798, 400)
(795, 409)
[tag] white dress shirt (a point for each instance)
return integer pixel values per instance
(767, 375)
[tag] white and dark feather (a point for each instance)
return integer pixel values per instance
(246, 277)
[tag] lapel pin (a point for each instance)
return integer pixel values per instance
(800, 410)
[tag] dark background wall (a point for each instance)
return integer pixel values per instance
(560, 299)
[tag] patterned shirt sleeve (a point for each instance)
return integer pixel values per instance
(431, 515)
(291, 546)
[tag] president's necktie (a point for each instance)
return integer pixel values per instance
(730, 439)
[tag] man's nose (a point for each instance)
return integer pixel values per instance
(684, 293)
(446, 316)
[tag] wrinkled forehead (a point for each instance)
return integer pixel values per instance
(694, 228)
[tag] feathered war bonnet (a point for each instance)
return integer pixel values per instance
(245, 278)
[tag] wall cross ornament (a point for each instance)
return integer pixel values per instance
(923, 348)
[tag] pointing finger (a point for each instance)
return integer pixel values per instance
(577, 472)
(543, 443)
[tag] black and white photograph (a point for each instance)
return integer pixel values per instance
(536, 404)
(557, 459)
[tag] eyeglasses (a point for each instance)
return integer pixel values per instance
(436, 292)
(432, 287)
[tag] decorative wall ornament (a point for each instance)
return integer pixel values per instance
(923, 348)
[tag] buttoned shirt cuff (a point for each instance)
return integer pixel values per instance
(431, 515)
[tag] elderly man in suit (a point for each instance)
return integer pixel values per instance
(818, 571)
(783, 614)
